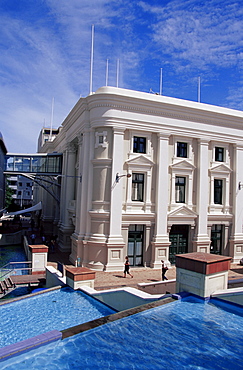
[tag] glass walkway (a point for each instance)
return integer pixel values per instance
(42, 164)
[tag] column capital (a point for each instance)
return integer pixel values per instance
(163, 135)
(118, 130)
(203, 141)
(71, 147)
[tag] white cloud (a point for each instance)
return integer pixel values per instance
(45, 53)
(198, 33)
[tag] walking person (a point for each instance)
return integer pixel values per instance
(127, 267)
(33, 236)
(164, 269)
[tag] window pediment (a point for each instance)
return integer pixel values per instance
(183, 165)
(140, 160)
(220, 168)
(182, 211)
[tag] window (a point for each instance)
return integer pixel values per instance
(181, 150)
(219, 154)
(137, 186)
(101, 139)
(180, 189)
(139, 144)
(218, 191)
(216, 239)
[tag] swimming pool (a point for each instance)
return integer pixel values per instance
(58, 309)
(186, 334)
(10, 253)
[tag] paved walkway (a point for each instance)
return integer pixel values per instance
(109, 280)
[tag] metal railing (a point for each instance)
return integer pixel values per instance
(15, 268)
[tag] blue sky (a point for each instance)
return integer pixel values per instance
(45, 54)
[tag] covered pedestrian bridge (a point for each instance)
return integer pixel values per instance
(44, 164)
(45, 169)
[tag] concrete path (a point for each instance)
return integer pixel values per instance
(108, 280)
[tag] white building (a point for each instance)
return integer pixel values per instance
(22, 190)
(46, 134)
(184, 194)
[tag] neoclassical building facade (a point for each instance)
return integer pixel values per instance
(146, 176)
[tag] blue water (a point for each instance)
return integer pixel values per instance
(9, 253)
(180, 335)
(59, 309)
(18, 292)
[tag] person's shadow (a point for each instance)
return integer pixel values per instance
(118, 276)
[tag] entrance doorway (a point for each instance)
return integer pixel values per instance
(135, 245)
(179, 241)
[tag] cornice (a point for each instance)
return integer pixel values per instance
(200, 118)
(162, 106)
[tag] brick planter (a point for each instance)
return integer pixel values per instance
(201, 273)
(79, 276)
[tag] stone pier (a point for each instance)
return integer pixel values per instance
(201, 273)
(79, 276)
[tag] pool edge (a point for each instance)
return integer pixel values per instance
(26, 345)
(113, 317)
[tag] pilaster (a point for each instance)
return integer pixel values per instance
(161, 243)
(201, 243)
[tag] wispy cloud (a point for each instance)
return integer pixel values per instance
(198, 34)
(45, 53)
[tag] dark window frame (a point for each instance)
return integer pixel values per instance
(180, 189)
(219, 154)
(137, 187)
(182, 149)
(139, 144)
(218, 191)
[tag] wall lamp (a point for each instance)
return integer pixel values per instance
(119, 176)
(240, 186)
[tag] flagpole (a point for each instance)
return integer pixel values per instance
(91, 60)
(107, 71)
(199, 90)
(161, 81)
(117, 72)
(52, 114)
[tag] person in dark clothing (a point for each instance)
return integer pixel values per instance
(164, 269)
(127, 267)
(33, 236)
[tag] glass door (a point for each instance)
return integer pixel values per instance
(216, 239)
(135, 245)
(179, 241)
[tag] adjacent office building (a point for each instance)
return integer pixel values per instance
(3, 151)
(146, 176)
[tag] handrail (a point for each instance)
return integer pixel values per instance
(10, 269)
(19, 271)
(9, 263)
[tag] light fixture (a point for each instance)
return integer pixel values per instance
(240, 186)
(119, 176)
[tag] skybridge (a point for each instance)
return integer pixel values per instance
(42, 164)
(44, 169)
